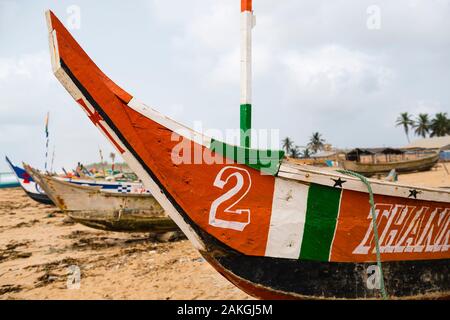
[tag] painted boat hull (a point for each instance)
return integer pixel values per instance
(369, 169)
(9, 185)
(70, 197)
(273, 278)
(292, 233)
(31, 188)
(117, 187)
(41, 198)
(99, 209)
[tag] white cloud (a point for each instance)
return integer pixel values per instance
(333, 70)
(27, 66)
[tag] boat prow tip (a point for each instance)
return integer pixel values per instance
(48, 17)
(52, 20)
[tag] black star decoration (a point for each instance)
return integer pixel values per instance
(413, 193)
(338, 182)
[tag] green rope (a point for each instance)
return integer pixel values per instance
(374, 224)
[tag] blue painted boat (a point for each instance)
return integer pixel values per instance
(31, 188)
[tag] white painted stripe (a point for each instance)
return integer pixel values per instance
(54, 51)
(313, 175)
(287, 221)
(169, 123)
(335, 227)
(246, 57)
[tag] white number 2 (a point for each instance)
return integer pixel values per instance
(244, 183)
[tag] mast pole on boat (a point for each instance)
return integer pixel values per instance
(247, 24)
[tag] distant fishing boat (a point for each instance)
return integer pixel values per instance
(103, 209)
(368, 169)
(116, 187)
(8, 180)
(31, 188)
(275, 230)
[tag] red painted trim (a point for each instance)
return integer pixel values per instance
(96, 118)
(246, 5)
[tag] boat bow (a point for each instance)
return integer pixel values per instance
(254, 210)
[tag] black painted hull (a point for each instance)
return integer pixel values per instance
(41, 198)
(274, 278)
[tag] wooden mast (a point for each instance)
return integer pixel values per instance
(247, 23)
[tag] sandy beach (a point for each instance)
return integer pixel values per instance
(39, 248)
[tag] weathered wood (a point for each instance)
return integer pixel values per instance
(370, 169)
(105, 210)
(124, 220)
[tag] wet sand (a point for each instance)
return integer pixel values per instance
(39, 248)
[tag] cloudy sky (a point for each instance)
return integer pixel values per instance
(328, 66)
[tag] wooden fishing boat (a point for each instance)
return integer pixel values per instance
(116, 187)
(8, 180)
(106, 210)
(274, 229)
(31, 188)
(369, 169)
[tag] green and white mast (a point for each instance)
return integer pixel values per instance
(247, 24)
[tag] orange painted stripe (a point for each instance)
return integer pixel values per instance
(402, 224)
(81, 55)
(246, 5)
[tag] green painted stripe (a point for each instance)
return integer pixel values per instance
(321, 217)
(246, 125)
(267, 161)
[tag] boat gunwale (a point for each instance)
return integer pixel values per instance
(294, 171)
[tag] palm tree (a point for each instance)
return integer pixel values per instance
(306, 153)
(316, 142)
(112, 155)
(405, 121)
(287, 144)
(294, 152)
(440, 125)
(422, 125)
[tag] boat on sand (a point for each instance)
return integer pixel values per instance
(31, 188)
(369, 169)
(106, 210)
(8, 180)
(274, 229)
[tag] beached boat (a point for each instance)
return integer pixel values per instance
(8, 180)
(274, 229)
(116, 187)
(103, 209)
(369, 169)
(31, 188)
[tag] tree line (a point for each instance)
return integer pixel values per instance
(316, 143)
(423, 125)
